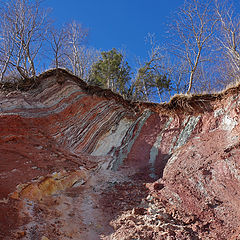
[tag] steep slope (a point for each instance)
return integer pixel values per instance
(79, 162)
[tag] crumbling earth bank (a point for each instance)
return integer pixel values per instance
(79, 162)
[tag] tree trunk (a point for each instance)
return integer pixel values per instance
(194, 70)
(159, 95)
(190, 82)
(22, 73)
(5, 68)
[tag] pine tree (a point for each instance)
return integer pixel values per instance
(111, 71)
(151, 82)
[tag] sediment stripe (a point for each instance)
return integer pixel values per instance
(187, 131)
(97, 123)
(129, 140)
(156, 146)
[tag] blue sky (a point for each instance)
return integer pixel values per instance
(122, 24)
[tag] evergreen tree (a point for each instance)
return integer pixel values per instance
(151, 82)
(111, 71)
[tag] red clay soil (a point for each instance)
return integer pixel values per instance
(79, 162)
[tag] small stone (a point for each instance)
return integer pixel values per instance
(20, 234)
(44, 238)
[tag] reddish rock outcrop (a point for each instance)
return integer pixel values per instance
(79, 162)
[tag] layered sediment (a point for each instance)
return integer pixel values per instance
(79, 162)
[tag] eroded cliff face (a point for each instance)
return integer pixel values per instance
(77, 162)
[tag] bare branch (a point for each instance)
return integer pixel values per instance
(195, 26)
(26, 24)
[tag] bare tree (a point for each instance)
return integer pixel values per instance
(26, 24)
(88, 56)
(76, 39)
(178, 71)
(6, 49)
(195, 27)
(152, 76)
(58, 44)
(69, 49)
(229, 34)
